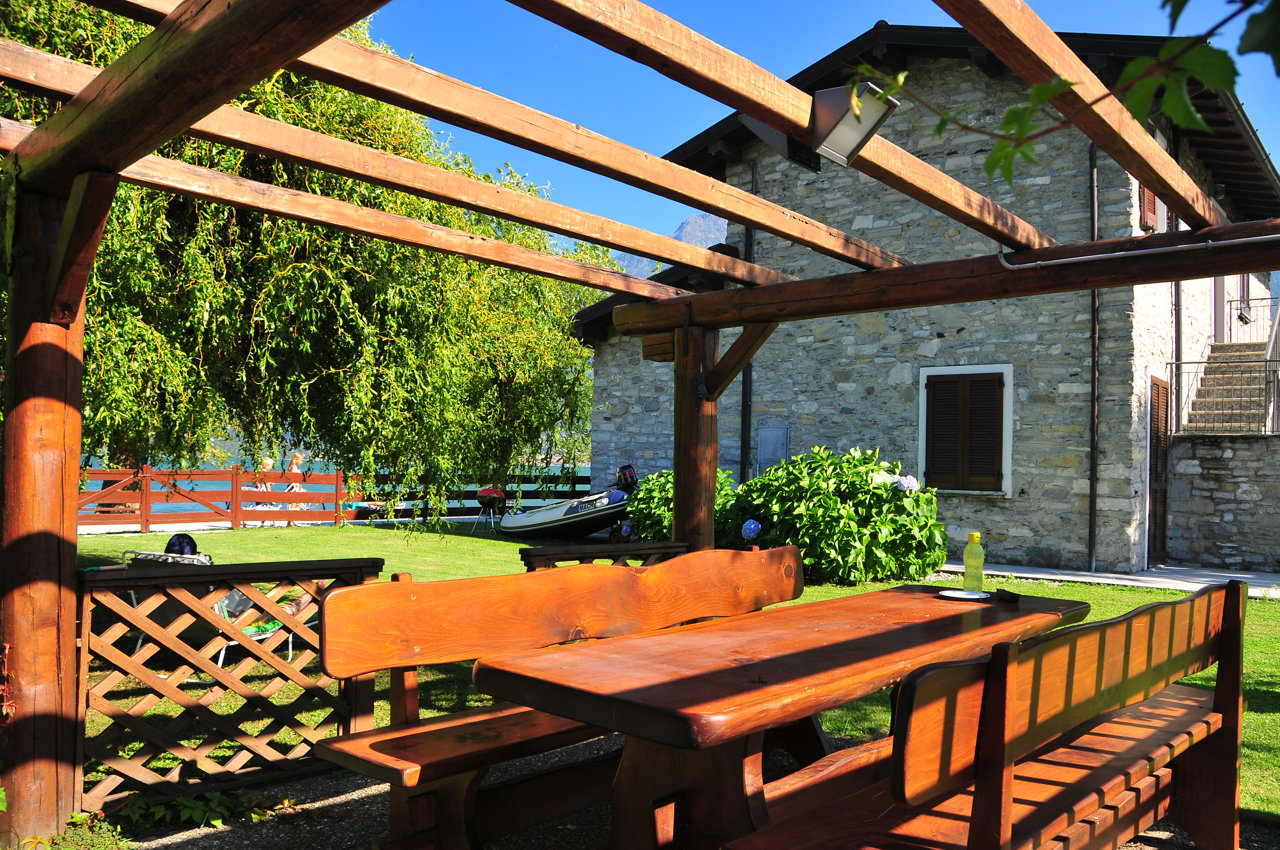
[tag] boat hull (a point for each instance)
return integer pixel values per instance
(572, 518)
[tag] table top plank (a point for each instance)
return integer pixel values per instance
(708, 683)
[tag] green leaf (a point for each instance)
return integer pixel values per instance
(1175, 8)
(1042, 93)
(1142, 93)
(1134, 69)
(1211, 66)
(1000, 160)
(1177, 105)
(1262, 34)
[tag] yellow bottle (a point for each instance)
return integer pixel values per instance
(973, 558)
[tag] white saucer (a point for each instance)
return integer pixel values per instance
(964, 594)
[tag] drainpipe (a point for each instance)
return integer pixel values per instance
(748, 377)
(1175, 380)
(1095, 299)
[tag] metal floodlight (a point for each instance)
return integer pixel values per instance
(840, 131)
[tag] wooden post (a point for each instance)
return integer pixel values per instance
(237, 481)
(697, 439)
(38, 583)
(144, 500)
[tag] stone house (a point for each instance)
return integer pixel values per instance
(1033, 416)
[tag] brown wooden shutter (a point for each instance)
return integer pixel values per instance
(1148, 218)
(986, 427)
(942, 467)
(964, 432)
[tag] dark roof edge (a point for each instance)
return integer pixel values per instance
(1250, 135)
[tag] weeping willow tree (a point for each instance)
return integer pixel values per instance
(205, 321)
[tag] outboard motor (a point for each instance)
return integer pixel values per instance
(627, 478)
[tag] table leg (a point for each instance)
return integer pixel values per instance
(666, 797)
(805, 740)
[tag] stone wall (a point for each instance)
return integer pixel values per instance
(1224, 502)
(853, 381)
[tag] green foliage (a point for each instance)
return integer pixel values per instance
(1262, 34)
(1019, 128)
(205, 321)
(212, 809)
(852, 516)
(1180, 63)
(651, 506)
(84, 832)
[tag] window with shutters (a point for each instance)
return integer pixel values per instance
(966, 428)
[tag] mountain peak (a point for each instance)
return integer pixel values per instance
(701, 229)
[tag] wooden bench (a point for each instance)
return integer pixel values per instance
(435, 765)
(543, 557)
(1076, 739)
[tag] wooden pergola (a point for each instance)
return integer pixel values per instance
(177, 81)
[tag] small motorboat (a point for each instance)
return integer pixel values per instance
(574, 517)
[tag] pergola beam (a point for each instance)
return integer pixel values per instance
(1024, 42)
(669, 47)
(192, 181)
(1182, 255)
(58, 77)
(176, 75)
(401, 83)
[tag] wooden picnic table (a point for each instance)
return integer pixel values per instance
(695, 701)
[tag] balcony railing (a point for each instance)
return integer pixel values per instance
(1226, 396)
(1252, 319)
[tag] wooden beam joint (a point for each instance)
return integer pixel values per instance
(736, 358)
(78, 238)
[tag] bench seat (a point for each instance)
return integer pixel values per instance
(408, 754)
(1056, 789)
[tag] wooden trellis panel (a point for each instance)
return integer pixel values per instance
(177, 699)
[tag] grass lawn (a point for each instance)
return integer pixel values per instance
(434, 556)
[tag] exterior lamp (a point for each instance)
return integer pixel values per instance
(843, 119)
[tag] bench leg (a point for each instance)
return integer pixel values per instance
(438, 814)
(1206, 798)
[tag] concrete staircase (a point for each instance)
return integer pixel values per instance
(1232, 396)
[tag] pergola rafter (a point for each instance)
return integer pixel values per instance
(401, 83)
(193, 181)
(57, 77)
(176, 80)
(646, 35)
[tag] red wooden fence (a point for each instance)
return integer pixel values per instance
(129, 497)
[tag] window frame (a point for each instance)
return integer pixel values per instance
(1005, 370)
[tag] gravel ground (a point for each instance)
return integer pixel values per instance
(342, 811)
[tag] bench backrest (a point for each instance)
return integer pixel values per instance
(404, 624)
(1027, 694)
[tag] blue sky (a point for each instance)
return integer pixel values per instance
(508, 51)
